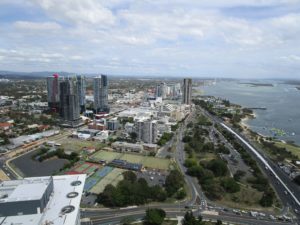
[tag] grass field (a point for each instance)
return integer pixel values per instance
(291, 148)
(147, 161)
(3, 176)
(76, 145)
(246, 198)
(112, 178)
(105, 155)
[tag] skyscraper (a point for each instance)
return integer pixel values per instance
(101, 94)
(69, 103)
(187, 91)
(161, 90)
(53, 92)
(81, 89)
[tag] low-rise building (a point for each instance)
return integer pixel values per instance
(127, 147)
(5, 126)
(97, 126)
(113, 124)
(150, 147)
(42, 200)
(89, 150)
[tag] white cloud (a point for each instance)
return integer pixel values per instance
(36, 26)
(291, 58)
(190, 37)
(77, 11)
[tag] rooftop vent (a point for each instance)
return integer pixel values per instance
(73, 194)
(67, 209)
(76, 183)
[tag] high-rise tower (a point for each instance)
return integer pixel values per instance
(69, 103)
(81, 90)
(187, 91)
(53, 92)
(161, 90)
(101, 94)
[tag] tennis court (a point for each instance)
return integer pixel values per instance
(84, 167)
(113, 178)
(96, 177)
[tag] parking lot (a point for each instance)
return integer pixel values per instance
(153, 176)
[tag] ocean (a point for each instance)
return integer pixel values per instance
(282, 102)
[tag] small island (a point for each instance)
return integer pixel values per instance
(259, 84)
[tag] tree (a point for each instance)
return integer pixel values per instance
(129, 175)
(154, 217)
(174, 181)
(195, 171)
(230, 185)
(218, 167)
(133, 135)
(160, 194)
(189, 219)
(239, 174)
(297, 179)
(219, 222)
(268, 198)
(190, 162)
(181, 194)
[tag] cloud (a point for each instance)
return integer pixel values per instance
(37, 26)
(87, 12)
(153, 37)
(291, 58)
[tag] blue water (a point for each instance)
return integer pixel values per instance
(282, 102)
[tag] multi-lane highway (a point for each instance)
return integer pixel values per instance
(115, 216)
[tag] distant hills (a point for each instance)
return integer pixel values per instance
(17, 75)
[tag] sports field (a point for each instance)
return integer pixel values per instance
(84, 167)
(76, 145)
(106, 155)
(112, 178)
(146, 161)
(93, 180)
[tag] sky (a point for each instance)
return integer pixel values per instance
(197, 38)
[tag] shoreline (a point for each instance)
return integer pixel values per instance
(244, 120)
(294, 147)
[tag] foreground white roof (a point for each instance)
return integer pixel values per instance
(52, 213)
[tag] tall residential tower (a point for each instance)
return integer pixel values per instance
(53, 92)
(69, 103)
(101, 94)
(187, 91)
(81, 90)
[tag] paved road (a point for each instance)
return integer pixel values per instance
(115, 216)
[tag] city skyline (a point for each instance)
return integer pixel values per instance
(249, 39)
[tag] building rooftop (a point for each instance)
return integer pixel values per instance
(22, 190)
(62, 208)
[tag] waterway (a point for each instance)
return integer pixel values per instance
(282, 102)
